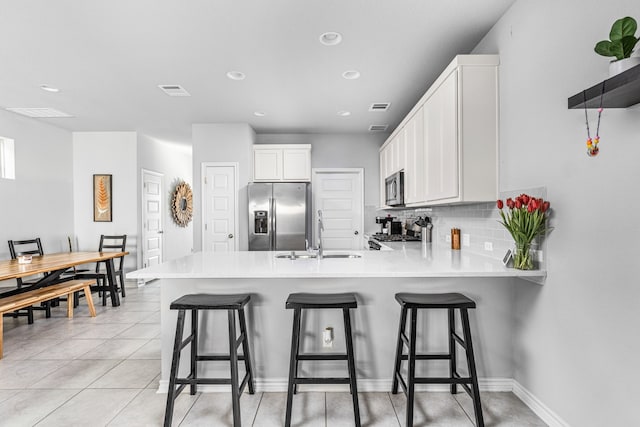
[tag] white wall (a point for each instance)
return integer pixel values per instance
(39, 202)
(343, 151)
(576, 346)
(106, 153)
(174, 161)
(222, 143)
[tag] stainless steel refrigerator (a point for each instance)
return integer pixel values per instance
(279, 216)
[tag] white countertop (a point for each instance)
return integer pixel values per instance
(408, 259)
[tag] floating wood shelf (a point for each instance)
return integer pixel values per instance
(620, 91)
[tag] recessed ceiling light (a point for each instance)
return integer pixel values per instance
(236, 75)
(259, 113)
(344, 113)
(351, 74)
(330, 38)
(49, 88)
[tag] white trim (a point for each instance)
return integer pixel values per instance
(203, 167)
(359, 171)
(160, 175)
(279, 385)
(538, 407)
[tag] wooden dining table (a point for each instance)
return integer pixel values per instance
(53, 265)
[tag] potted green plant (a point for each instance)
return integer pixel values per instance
(622, 41)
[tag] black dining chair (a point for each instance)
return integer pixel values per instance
(27, 247)
(115, 243)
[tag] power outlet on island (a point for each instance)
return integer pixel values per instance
(466, 240)
(327, 337)
(488, 246)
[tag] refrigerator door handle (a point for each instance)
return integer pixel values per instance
(271, 232)
(273, 224)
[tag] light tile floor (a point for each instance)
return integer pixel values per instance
(105, 370)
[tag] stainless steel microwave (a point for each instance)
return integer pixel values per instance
(394, 189)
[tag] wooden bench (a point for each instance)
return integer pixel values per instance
(25, 299)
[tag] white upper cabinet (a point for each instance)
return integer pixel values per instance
(449, 140)
(441, 142)
(414, 170)
(290, 162)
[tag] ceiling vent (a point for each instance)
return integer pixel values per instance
(380, 106)
(378, 128)
(174, 90)
(39, 113)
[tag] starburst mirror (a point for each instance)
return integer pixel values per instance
(182, 204)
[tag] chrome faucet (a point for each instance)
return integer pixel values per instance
(320, 230)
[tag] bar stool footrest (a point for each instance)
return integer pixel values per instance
(428, 357)
(217, 358)
(323, 380)
(321, 356)
(443, 380)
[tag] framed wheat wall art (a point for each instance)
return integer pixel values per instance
(102, 211)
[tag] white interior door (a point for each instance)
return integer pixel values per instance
(152, 242)
(220, 206)
(339, 194)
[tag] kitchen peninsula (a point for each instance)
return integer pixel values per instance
(375, 277)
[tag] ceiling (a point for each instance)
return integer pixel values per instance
(108, 58)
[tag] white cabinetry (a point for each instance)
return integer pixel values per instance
(291, 162)
(414, 169)
(449, 140)
(441, 141)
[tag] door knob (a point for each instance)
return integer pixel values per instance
(355, 232)
(160, 231)
(231, 236)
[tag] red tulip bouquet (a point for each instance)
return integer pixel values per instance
(525, 219)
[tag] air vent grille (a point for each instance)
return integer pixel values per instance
(174, 90)
(39, 113)
(378, 128)
(379, 106)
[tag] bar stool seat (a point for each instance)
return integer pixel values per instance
(300, 301)
(412, 302)
(307, 300)
(210, 302)
(450, 300)
(194, 302)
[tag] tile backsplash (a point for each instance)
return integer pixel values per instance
(478, 220)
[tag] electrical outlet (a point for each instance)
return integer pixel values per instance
(327, 337)
(488, 246)
(447, 238)
(466, 240)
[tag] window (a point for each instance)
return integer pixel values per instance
(7, 159)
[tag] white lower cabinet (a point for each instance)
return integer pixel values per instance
(450, 138)
(272, 162)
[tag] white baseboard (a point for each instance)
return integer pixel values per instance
(279, 385)
(540, 409)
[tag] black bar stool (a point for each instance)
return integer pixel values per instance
(195, 302)
(299, 301)
(450, 302)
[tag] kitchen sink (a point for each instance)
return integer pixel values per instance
(306, 255)
(294, 255)
(342, 256)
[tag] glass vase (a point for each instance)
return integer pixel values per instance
(522, 257)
